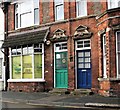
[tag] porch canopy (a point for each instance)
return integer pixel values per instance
(33, 36)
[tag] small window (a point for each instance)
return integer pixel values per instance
(113, 4)
(83, 44)
(59, 10)
(81, 6)
(60, 46)
(26, 13)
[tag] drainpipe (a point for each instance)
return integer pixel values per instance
(4, 6)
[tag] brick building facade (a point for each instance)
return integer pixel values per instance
(56, 45)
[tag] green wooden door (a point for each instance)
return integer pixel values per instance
(61, 70)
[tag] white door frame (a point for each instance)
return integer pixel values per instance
(76, 49)
(62, 50)
(117, 63)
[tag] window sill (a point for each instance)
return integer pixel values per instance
(25, 80)
(109, 79)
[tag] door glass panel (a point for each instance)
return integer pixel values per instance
(80, 60)
(87, 54)
(87, 59)
(61, 60)
(80, 54)
(80, 65)
(87, 65)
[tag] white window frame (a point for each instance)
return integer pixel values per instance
(104, 56)
(29, 79)
(117, 52)
(59, 3)
(78, 10)
(32, 11)
(113, 4)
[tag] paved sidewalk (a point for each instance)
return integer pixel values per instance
(64, 100)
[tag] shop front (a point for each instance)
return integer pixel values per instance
(26, 60)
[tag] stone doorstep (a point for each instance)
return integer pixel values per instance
(66, 91)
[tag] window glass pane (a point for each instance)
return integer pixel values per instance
(26, 6)
(30, 49)
(0, 68)
(80, 44)
(59, 12)
(119, 3)
(14, 52)
(87, 43)
(36, 16)
(19, 51)
(38, 48)
(27, 66)
(81, 7)
(16, 67)
(25, 19)
(25, 50)
(16, 20)
(64, 46)
(38, 66)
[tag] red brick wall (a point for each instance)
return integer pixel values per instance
(11, 17)
(26, 86)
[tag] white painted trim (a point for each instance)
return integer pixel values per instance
(10, 59)
(75, 65)
(104, 57)
(54, 66)
(118, 76)
(21, 63)
(43, 63)
(25, 80)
